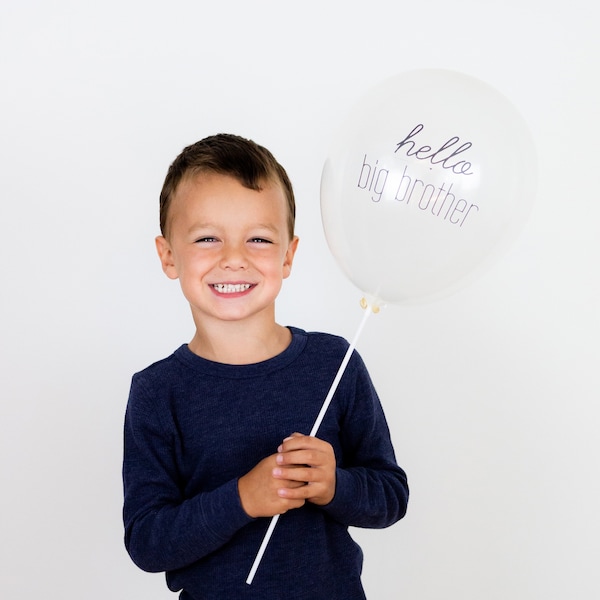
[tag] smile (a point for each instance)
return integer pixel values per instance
(231, 288)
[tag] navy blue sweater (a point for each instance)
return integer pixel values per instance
(193, 427)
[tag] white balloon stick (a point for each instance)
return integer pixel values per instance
(313, 431)
(340, 372)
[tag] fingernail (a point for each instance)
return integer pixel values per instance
(279, 459)
(276, 472)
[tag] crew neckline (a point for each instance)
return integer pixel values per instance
(279, 361)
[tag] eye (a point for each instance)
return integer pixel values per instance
(207, 239)
(259, 240)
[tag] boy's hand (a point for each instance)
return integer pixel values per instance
(308, 462)
(303, 469)
(261, 493)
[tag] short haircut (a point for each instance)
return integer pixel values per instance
(226, 154)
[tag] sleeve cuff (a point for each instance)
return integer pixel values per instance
(222, 511)
(344, 505)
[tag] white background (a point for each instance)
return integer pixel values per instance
(492, 394)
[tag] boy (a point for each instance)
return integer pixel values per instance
(210, 451)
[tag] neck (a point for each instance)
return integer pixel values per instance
(232, 343)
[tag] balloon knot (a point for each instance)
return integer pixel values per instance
(375, 308)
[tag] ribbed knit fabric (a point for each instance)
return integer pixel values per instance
(193, 427)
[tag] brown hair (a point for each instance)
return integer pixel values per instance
(227, 154)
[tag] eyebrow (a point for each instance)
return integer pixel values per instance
(209, 225)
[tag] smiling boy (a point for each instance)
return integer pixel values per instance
(230, 247)
(209, 445)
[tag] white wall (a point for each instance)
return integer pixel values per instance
(492, 394)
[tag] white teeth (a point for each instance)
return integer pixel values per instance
(231, 288)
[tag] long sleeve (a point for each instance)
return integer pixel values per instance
(164, 530)
(371, 489)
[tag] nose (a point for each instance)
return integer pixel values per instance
(233, 257)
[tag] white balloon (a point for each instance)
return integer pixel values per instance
(429, 179)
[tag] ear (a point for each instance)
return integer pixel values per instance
(289, 257)
(166, 257)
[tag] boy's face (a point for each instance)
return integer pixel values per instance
(229, 247)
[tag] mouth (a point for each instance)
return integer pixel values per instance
(231, 288)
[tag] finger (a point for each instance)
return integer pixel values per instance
(304, 457)
(304, 442)
(292, 442)
(299, 493)
(299, 475)
(287, 478)
(287, 502)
